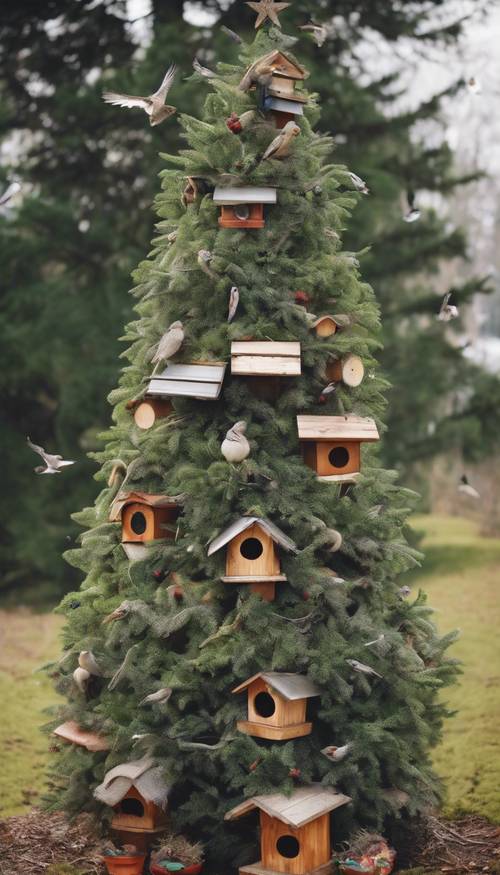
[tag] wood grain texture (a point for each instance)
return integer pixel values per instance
(285, 714)
(324, 465)
(325, 326)
(259, 869)
(313, 840)
(255, 219)
(266, 565)
(349, 370)
(340, 428)
(156, 519)
(274, 733)
(152, 819)
(149, 410)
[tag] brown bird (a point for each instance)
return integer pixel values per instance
(154, 105)
(267, 9)
(280, 145)
(318, 31)
(169, 344)
(260, 73)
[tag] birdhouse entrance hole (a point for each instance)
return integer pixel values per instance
(251, 548)
(242, 211)
(338, 457)
(131, 806)
(264, 704)
(138, 523)
(288, 846)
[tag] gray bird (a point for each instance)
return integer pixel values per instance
(204, 259)
(87, 661)
(169, 344)
(231, 34)
(378, 640)
(335, 754)
(448, 311)
(279, 147)
(153, 105)
(203, 71)
(234, 300)
(81, 678)
(466, 489)
(318, 31)
(359, 184)
(329, 389)
(404, 592)
(235, 447)
(260, 73)
(13, 189)
(362, 668)
(53, 463)
(158, 698)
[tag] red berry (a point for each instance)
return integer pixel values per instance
(306, 596)
(302, 298)
(294, 773)
(234, 124)
(322, 399)
(158, 574)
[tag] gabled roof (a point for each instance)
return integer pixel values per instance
(124, 498)
(303, 806)
(201, 380)
(249, 194)
(71, 731)
(289, 685)
(142, 774)
(244, 523)
(337, 428)
(293, 70)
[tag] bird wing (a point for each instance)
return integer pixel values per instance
(272, 147)
(40, 450)
(203, 71)
(127, 100)
(166, 84)
(9, 192)
(445, 302)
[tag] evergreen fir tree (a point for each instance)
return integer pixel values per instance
(172, 622)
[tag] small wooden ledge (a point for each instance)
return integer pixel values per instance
(274, 733)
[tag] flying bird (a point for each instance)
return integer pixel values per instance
(204, 259)
(260, 73)
(53, 463)
(234, 300)
(318, 31)
(231, 34)
(335, 754)
(474, 85)
(466, 489)
(158, 698)
(81, 678)
(280, 145)
(267, 9)
(359, 184)
(362, 668)
(154, 105)
(235, 447)
(412, 213)
(169, 344)
(13, 189)
(87, 661)
(203, 71)
(448, 311)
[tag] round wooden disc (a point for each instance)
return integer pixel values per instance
(353, 370)
(145, 415)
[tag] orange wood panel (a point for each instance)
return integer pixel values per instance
(325, 467)
(267, 564)
(229, 219)
(313, 840)
(274, 733)
(152, 819)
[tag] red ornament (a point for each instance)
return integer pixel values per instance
(294, 773)
(159, 575)
(234, 124)
(302, 298)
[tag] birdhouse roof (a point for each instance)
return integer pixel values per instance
(266, 358)
(249, 194)
(326, 318)
(124, 498)
(70, 731)
(292, 70)
(328, 428)
(290, 686)
(201, 380)
(303, 806)
(244, 523)
(142, 774)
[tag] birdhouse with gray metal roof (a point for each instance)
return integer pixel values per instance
(138, 794)
(144, 517)
(277, 703)
(331, 445)
(295, 835)
(252, 554)
(281, 97)
(243, 206)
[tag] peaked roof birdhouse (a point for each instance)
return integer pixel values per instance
(331, 445)
(294, 830)
(277, 704)
(202, 380)
(144, 517)
(252, 554)
(280, 97)
(243, 207)
(138, 793)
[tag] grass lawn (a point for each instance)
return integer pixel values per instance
(462, 576)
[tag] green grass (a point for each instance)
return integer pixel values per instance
(462, 576)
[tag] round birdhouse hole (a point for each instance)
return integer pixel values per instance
(338, 457)
(288, 846)
(242, 212)
(138, 523)
(132, 806)
(251, 548)
(264, 704)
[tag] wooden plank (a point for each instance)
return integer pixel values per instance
(260, 578)
(278, 366)
(266, 347)
(259, 869)
(274, 733)
(240, 810)
(72, 732)
(339, 478)
(231, 195)
(184, 388)
(198, 373)
(337, 428)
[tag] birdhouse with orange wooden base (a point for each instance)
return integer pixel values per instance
(243, 207)
(138, 794)
(252, 555)
(281, 98)
(277, 703)
(144, 517)
(294, 830)
(331, 445)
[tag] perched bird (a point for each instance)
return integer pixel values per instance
(154, 105)
(267, 9)
(329, 389)
(474, 85)
(404, 592)
(466, 489)
(169, 344)
(280, 145)
(11, 190)
(378, 640)
(412, 213)
(359, 184)
(159, 698)
(448, 311)
(87, 661)
(234, 300)
(318, 31)
(335, 754)
(231, 34)
(362, 668)
(81, 678)
(204, 259)
(203, 71)
(335, 540)
(53, 463)
(119, 613)
(235, 447)
(260, 73)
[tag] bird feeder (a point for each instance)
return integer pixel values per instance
(277, 703)
(294, 830)
(252, 554)
(138, 794)
(243, 207)
(331, 445)
(144, 517)
(280, 97)
(148, 410)
(202, 380)
(72, 732)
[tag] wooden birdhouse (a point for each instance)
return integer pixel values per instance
(281, 98)
(331, 445)
(325, 326)
(294, 830)
(252, 554)
(71, 731)
(147, 411)
(202, 380)
(144, 517)
(277, 703)
(138, 794)
(243, 207)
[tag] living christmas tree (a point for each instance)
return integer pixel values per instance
(246, 541)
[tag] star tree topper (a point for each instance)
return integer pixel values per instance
(267, 9)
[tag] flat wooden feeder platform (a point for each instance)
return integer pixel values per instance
(303, 806)
(72, 732)
(202, 380)
(265, 358)
(337, 428)
(228, 196)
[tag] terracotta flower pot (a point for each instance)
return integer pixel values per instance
(125, 865)
(194, 869)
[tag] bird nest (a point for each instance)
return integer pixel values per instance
(48, 844)
(469, 844)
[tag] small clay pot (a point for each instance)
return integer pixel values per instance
(132, 864)
(194, 869)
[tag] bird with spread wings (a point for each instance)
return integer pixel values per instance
(154, 105)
